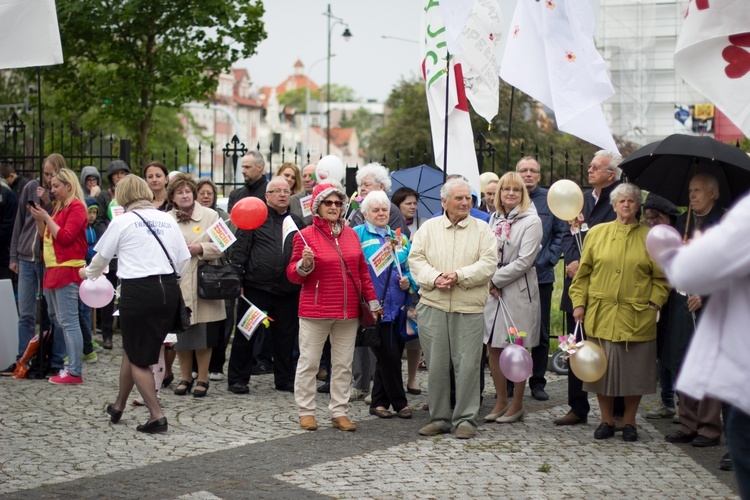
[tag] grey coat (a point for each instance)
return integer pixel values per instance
(516, 278)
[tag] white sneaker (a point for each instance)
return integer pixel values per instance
(663, 412)
(357, 394)
(195, 375)
(368, 399)
(215, 376)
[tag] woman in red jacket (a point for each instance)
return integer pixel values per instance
(331, 268)
(64, 249)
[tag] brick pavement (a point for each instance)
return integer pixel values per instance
(57, 441)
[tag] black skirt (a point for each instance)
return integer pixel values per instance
(148, 307)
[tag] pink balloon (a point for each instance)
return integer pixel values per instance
(515, 363)
(661, 239)
(97, 293)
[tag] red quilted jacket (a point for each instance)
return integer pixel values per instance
(327, 292)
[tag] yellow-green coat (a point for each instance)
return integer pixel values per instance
(616, 281)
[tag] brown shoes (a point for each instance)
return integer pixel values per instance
(404, 412)
(570, 419)
(308, 423)
(343, 423)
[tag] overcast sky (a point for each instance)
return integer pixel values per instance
(371, 65)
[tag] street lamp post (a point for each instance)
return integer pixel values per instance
(347, 35)
(307, 102)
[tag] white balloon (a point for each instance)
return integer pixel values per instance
(565, 199)
(330, 168)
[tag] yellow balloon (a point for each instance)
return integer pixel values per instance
(589, 362)
(565, 199)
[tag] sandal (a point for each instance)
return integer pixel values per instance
(184, 387)
(200, 394)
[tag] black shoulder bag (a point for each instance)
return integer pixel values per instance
(182, 316)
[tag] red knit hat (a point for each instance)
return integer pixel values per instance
(323, 191)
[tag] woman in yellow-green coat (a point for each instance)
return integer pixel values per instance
(617, 293)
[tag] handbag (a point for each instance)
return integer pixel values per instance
(365, 313)
(182, 315)
(219, 282)
(369, 336)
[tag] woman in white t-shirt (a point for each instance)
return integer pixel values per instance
(150, 291)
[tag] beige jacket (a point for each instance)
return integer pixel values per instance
(469, 248)
(204, 311)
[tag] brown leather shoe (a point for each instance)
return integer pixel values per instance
(343, 423)
(404, 412)
(570, 419)
(308, 423)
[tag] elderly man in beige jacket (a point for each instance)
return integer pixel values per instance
(452, 259)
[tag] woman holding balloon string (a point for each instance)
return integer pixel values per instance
(618, 291)
(513, 306)
(149, 293)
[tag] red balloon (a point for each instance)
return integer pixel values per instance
(249, 213)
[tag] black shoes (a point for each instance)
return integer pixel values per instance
(203, 389)
(114, 415)
(704, 442)
(679, 437)
(604, 431)
(285, 388)
(158, 426)
(629, 433)
(184, 387)
(239, 388)
(167, 380)
(107, 344)
(8, 371)
(726, 463)
(539, 394)
(261, 369)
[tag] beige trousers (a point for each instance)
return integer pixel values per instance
(312, 337)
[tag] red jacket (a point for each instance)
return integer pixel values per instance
(328, 292)
(70, 243)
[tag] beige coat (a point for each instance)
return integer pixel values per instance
(204, 311)
(469, 248)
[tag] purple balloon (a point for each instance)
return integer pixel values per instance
(515, 363)
(97, 293)
(662, 239)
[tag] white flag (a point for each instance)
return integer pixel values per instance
(29, 35)
(550, 55)
(461, 154)
(713, 56)
(287, 227)
(220, 234)
(251, 320)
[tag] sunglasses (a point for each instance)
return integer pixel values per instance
(331, 203)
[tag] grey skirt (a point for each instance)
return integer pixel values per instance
(630, 372)
(198, 337)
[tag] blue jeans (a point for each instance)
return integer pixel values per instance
(737, 427)
(29, 277)
(63, 310)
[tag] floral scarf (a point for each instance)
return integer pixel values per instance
(502, 229)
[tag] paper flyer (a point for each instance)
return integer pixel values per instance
(382, 258)
(250, 321)
(220, 234)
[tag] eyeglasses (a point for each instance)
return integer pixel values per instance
(510, 189)
(331, 203)
(369, 184)
(528, 170)
(277, 191)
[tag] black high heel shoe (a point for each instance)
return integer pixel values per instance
(158, 426)
(167, 380)
(114, 414)
(200, 394)
(184, 387)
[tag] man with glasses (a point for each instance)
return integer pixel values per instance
(604, 177)
(546, 260)
(263, 255)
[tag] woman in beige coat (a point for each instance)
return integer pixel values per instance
(194, 220)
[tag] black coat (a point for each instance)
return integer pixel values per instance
(259, 255)
(594, 212)
(256, 189)
(680, 325)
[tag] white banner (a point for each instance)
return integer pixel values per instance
(29, 35)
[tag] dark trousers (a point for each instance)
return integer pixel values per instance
(578, 399)
(106, 311)
(388, 385)
(738, 440)
(219, 353)
(284, 333)
(84, 315)
(540, 353)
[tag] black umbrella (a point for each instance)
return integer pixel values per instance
(665, 167)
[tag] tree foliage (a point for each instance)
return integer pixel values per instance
(365, 123)
(297, 98)
(124, 58)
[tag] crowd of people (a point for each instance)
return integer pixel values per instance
(466, 281)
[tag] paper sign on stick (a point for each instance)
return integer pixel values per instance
(250, 321)
(382, 258)
(220, 234)
(306, 203)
